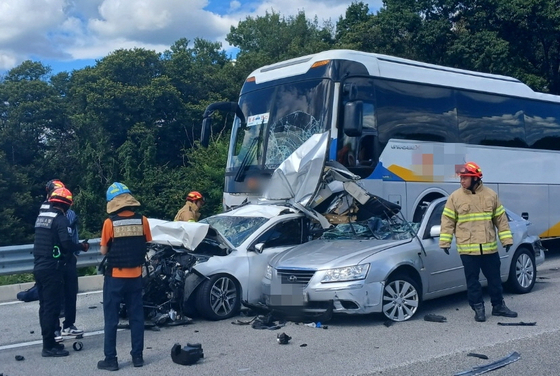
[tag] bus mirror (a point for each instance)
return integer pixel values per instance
(353, 118)
(231, 107)
(205, 133)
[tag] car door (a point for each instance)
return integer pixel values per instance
(444, 271)
(282, 236)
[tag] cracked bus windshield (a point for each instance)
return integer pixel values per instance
(279, 120)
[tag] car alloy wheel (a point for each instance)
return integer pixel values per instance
(523, 271)
(401, 299)
(219, 298)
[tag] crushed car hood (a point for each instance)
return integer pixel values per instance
(323, 253)
(178, 234)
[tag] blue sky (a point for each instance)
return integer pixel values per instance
(71, 34)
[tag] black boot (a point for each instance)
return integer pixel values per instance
(503, 310)
(479, 312)
(108, 364)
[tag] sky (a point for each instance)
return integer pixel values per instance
(72, 34)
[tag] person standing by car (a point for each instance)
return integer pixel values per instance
(70, 273)
(51, 250)
(472, 213)
(191, 211)
(123, 241)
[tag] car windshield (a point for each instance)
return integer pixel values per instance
(374, 228)
(235, 229)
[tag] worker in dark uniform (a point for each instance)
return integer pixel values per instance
(51, 249)
(70, 274)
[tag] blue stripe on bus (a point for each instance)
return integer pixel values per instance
(381, 173)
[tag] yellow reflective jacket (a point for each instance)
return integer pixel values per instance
(473, 218)
(188, 213)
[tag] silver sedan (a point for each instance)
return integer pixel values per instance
(389, 266)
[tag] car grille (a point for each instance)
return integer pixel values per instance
(295, 277)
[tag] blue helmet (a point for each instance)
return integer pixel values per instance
(116, 189)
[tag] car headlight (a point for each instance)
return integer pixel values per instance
(268, 272)
(348, 273)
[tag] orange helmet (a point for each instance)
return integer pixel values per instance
(470, 169)
(53, 184)
(62, 195)
(195, 196)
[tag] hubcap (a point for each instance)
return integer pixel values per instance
(524, 270)
(223, 296)
(400, 300)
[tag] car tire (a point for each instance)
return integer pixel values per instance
(218, 298)
(522, 271)
(401, 298)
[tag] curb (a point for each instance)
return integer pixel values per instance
(8, 293)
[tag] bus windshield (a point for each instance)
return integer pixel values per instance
(279, 119)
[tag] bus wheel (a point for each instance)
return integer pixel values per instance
(522, 271)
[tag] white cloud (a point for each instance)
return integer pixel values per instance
(91, 29)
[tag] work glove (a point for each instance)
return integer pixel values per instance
(446, 250)
(508, 247)
(85, 245)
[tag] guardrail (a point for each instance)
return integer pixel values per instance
(17, 259)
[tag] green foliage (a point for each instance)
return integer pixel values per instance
(16, 278)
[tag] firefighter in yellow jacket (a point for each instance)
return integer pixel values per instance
(190, 212)
(472, 213)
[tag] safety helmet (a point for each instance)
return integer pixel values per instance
(53, 184)
(116, 189)
(470, 169)
(62, 195)
(195, 196)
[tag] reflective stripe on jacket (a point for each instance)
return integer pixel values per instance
(473, 218)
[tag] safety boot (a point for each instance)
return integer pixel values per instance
(479, 312)
(502, 310)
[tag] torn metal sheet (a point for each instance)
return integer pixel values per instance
(479, 370)
(298, 177)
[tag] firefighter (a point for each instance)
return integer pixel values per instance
(51, 250)
(191, 211)
(123, 241)
(472, 213)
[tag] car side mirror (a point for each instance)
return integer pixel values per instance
(435, 231)
(259, 247)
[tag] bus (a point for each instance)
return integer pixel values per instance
(403, 126)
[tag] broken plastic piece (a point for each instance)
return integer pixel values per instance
(521, 323)
(479, 370)
(435, 318)
(388, 323)
(481, 356)
(283, 338)
(186, 355)
(19, 358)
(78, 346)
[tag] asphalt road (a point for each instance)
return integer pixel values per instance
(352, 345)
